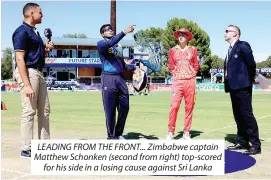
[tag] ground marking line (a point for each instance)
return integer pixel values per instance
(19, 172)
(214, 130)
(21, 176)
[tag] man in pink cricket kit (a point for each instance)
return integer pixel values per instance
(183, 64)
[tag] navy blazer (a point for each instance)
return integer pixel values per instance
(241, 67)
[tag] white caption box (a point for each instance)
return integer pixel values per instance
(127, 157)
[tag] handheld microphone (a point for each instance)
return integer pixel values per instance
(48, 33)
(135, 37)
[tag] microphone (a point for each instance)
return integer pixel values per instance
(135, 37)
(48, 33)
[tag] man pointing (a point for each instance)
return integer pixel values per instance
(114, 89)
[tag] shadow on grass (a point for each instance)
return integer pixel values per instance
(231, 138)
(193, 133)
(135, 135)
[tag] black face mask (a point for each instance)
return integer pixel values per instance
(107, 38)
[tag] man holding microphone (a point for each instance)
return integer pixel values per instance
(30, 54)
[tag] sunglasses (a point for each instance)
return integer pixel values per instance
(108, 29)
(182, 34)
(229, 31)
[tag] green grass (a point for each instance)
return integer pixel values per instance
(80, 114)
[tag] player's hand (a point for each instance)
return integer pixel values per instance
(129, 29)
(174, 71)
(29, 92)
(194, 73)
(49, 46)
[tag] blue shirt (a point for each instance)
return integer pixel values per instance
(111, 54)
(25, 38)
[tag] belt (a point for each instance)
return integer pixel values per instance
(111, 73)
(35, 67)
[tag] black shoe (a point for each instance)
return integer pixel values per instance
(238, 147)
(26, 154)
(253, 151)
(112, 138)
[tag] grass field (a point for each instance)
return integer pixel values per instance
(79, 115)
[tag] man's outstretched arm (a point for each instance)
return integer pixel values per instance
(104, 45)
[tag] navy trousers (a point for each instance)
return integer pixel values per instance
(247, 127)
(115, 96)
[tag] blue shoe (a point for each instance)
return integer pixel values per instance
(26, 154)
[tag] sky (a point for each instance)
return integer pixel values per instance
(213, 17)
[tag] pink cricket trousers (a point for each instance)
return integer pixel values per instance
(187, 89)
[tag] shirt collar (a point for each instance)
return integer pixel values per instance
(178, 47)
(232, 44)
(32, 27)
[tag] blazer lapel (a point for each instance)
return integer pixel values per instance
(233, 49)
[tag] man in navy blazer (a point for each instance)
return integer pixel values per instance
(239, 73)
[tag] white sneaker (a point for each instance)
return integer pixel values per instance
(186, 136)
(170, 136)
(121, 138)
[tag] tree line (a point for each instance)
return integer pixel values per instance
(157, 42)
